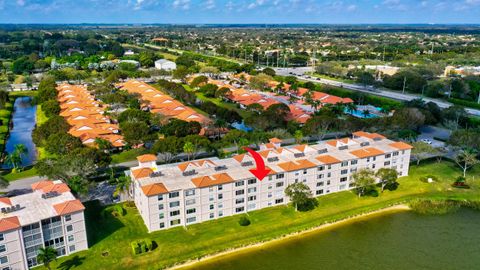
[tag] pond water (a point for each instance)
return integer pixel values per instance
(23, 120)
(404, 240)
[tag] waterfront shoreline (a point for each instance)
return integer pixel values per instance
(387, 210)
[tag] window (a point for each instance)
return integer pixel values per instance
(239, 209)
(242, 200)
(319, 192)
(212, 215)
(71, 238)
(352, 170)
(220, 187)
(220, 196)
(304, 171)
(252, 181)
(190, 202)
(190, 192)
(320, 176)
(251, 206)
(277, 201)
(175, 222)
(3, 260)
(175, 213)
(329, 167)
(191, 219)
(68, 217)
(252, 189)
(173, 194)
(71, 248)
(344, 171)
(343, 179)
(2, 237)
(161, 225)
(210, 189)
(344, 163)
(191, 210)
(220, 205)
(3, 248)
(161, 216)
(373, 166)
(329, 174)
(269, 195)
(160, 207)
(321, 168)
(211, 198)
(175, 204)
(280, 176)
(252, 198)
(368, 159)
(160, 197)
(386, 163)
(320, 184)
(388, 155)
(212, 206)
(354, 162)
(239, 184)
(395, 154)
(279, 184)
(220, 213)
(69, 228)
(240, 192)
(328, 182)
(374, 158)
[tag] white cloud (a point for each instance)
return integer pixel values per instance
(181, 4)
(352, 7)
(256, 4)
(209, 4)
(394, 5)
(21, 2)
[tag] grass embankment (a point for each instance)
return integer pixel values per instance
(127, 155)
(113, 235)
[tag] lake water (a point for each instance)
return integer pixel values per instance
(23, 120)
(402, 240)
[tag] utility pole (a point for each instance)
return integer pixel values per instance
(404, 84)
(383, 58)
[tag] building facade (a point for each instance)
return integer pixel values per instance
(191, 192)
(165, 65)
(49, 216)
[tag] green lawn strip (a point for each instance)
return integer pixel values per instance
(328, 77)
(113, 235)
(127, 155)
(41, 117)
(19, 175)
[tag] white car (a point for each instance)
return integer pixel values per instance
(427, 141)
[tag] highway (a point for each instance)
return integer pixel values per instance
(299, 72)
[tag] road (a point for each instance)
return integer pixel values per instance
(299, 72)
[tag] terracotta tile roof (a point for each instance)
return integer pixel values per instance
(142, 173)
(154, 189)
(216, 179)
(68, 207)
(9, 223)
(401, 145)
(367, 152)
(275, 140)
(50, 186)
(296, 165)
(327, 159)
(5, 200)
(368, 135)
(147, 158)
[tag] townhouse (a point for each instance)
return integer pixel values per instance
(86, 116)
(190, 192)
(49, 216)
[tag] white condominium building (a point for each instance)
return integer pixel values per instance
(185, 193)
(49, 216)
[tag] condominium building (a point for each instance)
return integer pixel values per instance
(190, 192)
(49, 216)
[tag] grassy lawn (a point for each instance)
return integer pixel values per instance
(127, 155)
(19, 175)
(5, 115)
(330, 78)
(113, 235)
(41, 117)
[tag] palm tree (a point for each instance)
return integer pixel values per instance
(188, 148)
(3, 182)
(123, 184)
(46, 256)
(351, 107)
(15, 157)
(220, 124)
(298, 136)
(365, 113)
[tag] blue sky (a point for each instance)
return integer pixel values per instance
(240, 11)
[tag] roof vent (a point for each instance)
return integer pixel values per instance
(156, 174)
(377, 138)
(50, 194)
(343, 147)
(6, 210)
(189, 173)
(322, 151)
(247, 163)
(221, 168)
(272, 159)
(298, 155)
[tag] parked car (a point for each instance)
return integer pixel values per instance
(427, 141)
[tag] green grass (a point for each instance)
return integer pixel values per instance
(41, 117)
(329, 77)
(127, 155)
(113, 235)
(19, 175)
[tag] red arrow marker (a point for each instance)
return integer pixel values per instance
(260, 172)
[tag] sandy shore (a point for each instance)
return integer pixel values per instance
(391, 209)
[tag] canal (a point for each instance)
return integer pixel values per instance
(23, 122)
(404, 240)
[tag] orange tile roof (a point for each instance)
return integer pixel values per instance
(275, 140)
(216, 179)
(49, 186)
(368, 135)
(154, 189)
(327, 159)
(296, 165)
(147, 158)
(401, 145)
(142, 173)
(9, 223)
(68, 207)
(5, 200)
(367, 152)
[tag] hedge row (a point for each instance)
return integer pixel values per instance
(465, 103)
(141, 246)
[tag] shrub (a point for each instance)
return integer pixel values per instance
(118, 210)
(460, 182)
(244, 221)
(432, 207)
(135, 248)
(142, 246)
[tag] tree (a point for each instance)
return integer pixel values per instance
(466, 159)
(364, 181)
(298, 135)
(103, 144)
(62, 143)
(198, 81)
(299, 194)
(454, 116)
(46, 256)
(15, 158)
(134, 132)
(78, 184)
(51, 107)
(387, 176)
(269, 71)
(188, 148)
(408, 118)
(180, 73)
(181, 128)
(260, 82)
(122, 184)
(146, 58)
(169, 147)
(209, 70)
(47, 89)
(223, 92)
(195, 143)
(422, 150)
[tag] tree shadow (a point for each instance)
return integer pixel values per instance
(71, 263)
(309, 205)
(100, 224)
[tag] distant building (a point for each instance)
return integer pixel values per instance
(165, 64)
(49, 216)
(129, 52)
(462, 71)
